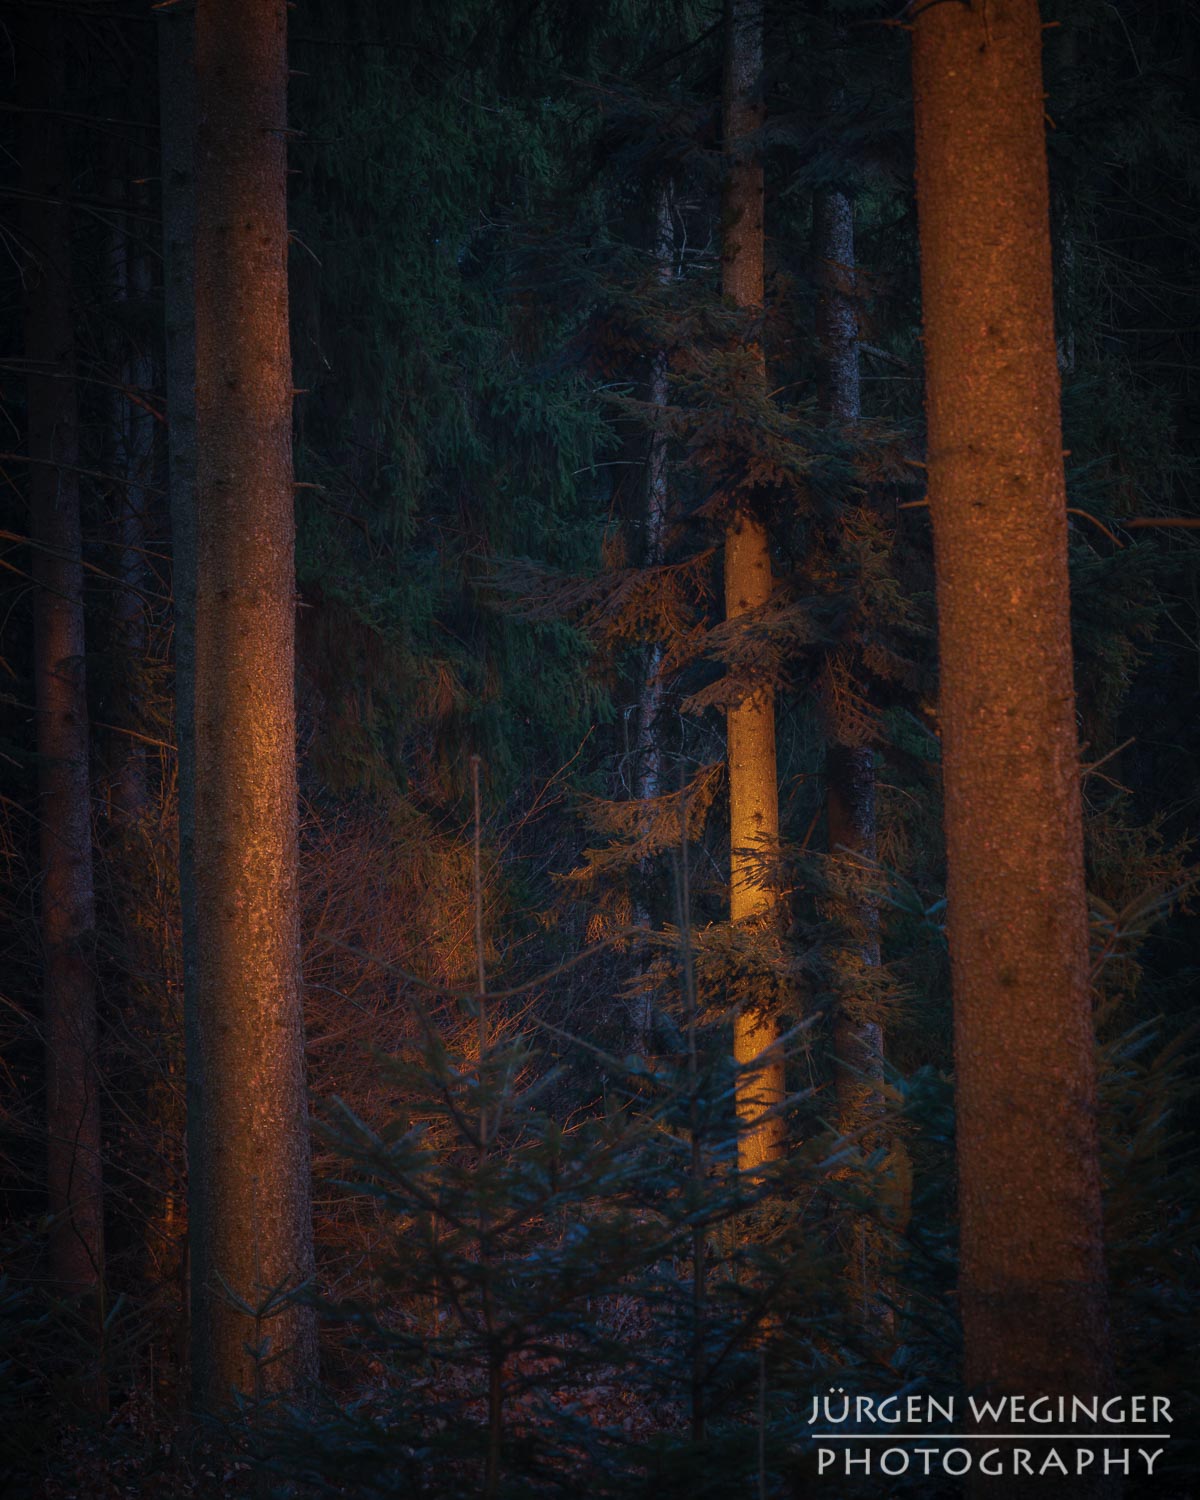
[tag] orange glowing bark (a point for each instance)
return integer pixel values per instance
(251, 1220)
(1032, 1280)
(753, 790)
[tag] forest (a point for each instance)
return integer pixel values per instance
(599, 749)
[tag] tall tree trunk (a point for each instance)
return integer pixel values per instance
(837, 308)
(253, 1233)
(857, 1043)
(133, 460)
(177, 119)
(849, 763)
(647, 779)
(68, 919)
(648, 758)
(1032, 1279)
(144, 1011)
(753, 791)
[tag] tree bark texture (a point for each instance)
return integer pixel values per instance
(850, 771)
(253, 1232)
(858, 1043)
(73, 1162)
(837, 309)
(648, 756)
(177, 120)
(648, 766)
(753, 789)
(133, 460)
(849, 764)
(1032, 1278)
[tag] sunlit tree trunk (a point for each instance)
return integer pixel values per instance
(252, 1235)
(68, 919)
(753, 792)
(1032, 1279)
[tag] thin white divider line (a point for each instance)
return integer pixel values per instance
(988, 1437)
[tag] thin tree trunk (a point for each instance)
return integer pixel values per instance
(1032, 1278)
(837, 309)
(253, 1234)
(177, 118)
(73, 1168)
(648, 752)
(849, 764)
(857, 1037)
(133, 801)
(858, 1043)
(753, 792)
(133, 442)
(648, 758)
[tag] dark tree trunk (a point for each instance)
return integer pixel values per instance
(648, 757)
(1032, 1279)
(849, 762)
(64, 794)
(252, 1233)
(133, 461)
(857, 1041)
(177, 118)
(648, 766)
(753, 791)
(837, 307)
